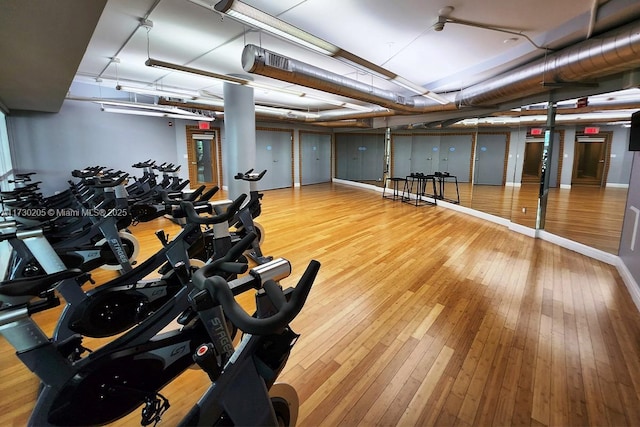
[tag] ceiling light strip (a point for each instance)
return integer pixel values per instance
(175, 67)
(258, 19)
(235, 80)
(157, 92)
(157, 114)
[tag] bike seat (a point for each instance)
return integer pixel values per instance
(34, 286)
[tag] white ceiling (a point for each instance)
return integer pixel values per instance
(396, 35)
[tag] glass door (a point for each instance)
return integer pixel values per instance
(203, 160)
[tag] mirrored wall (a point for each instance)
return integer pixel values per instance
(499, 163)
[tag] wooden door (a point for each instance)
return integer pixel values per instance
(590, 160)
(532, 163)
(203, 155)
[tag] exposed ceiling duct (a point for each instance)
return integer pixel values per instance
(614, 52)
(611, 53)
(261, 61)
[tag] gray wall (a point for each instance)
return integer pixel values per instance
(631, 258)
(621, 158)
(516, 155)
(81, 135)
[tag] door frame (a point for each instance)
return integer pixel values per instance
(559, 159)
(192, 132)
(300, 158)
(607, 136)
(290, 132)
(505, 160)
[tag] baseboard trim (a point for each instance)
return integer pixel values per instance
(357, 184)
(580, 248)
(630, 282)
(617, 185)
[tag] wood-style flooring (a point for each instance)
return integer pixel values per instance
(590, 215)
(425, 316)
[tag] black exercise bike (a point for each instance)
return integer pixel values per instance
(128, 372)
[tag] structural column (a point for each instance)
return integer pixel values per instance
(240, 135)
(546, 165)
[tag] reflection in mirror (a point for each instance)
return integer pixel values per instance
(527, 138)
(587, 206)
(445, 154)
(360, 156)
(492, 179)
(497, 164)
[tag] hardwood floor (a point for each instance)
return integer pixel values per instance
(426, 316)
(590, 215)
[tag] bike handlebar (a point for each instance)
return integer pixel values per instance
(249, 176)
(25, 175)
(193, 216)
(287, 310)
(227, 263)
(146, 164)
(111, 183)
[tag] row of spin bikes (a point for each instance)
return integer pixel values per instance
(202, 270)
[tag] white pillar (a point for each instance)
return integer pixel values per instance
(240, 135)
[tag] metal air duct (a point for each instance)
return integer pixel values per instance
(261, 61)
(612, 53)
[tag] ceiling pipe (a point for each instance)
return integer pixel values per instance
(258, 60)
(256, 18)
(611, 53)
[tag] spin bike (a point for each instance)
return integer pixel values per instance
(243, 221)
(112, 381)
(100, 245)
(123, 302)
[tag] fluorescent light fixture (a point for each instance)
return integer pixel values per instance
(400, 81)
(285, 112)
(137, 106)
(300, 94)
(175, 67)
(274, 88)
(210, 101)
(158, 114)
(258, 19)
(240, 81)
(621, 116)
(157, 92)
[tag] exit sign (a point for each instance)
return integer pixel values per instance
(537, 131)
(203, 125)
(591, 130)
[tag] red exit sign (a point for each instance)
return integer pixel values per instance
(537, 131)
(591, 130)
